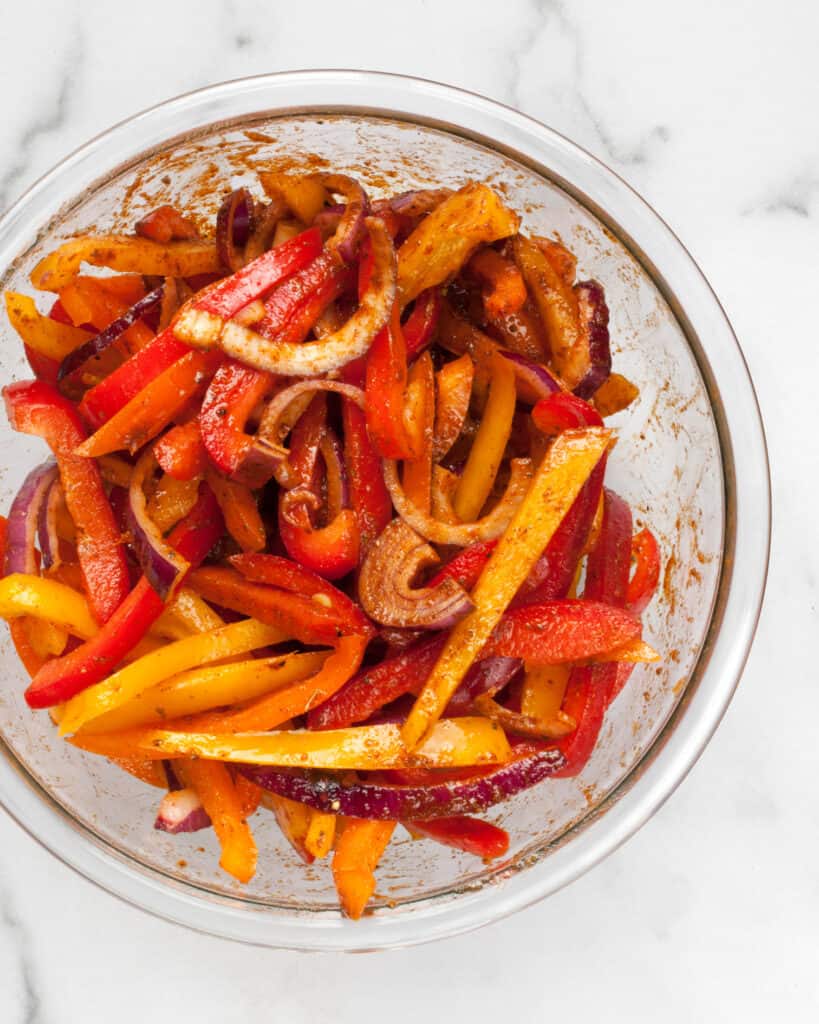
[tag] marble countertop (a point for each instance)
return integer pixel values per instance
(712, 910)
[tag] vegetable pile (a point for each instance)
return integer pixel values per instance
(324, 528)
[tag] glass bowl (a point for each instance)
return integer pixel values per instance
(691, 460)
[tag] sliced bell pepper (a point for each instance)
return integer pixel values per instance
(43, 334)
(471, 835)
(37, 408)
(296, 615)
(558, 631)
(609, 564)
(180, 452)
(241, 512)
(47, 599)
(272, 710)
(250, 795)
(171, 501)
(558, 480)
(564, 411)
(90, 300)
(358, 850)
(32, 662)
(453, 390)
(320, 834)
(646, 554)
(385, 390)
(544, 687)
(294, 307)
(281, 572)
(420, 326)
(64, 677)
(232, 395)
(293, 819)
(417, 475)
(369, 497)
(504, 290)
(130, 682)
(154, 407)
(585, 701)
(489, 444)
(216, 789)
(166, 224)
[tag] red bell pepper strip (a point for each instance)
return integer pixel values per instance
(369, 497)
(228, 296)
(643, 583)
(331, 551)
(105, 399)
(232, 395)
(464, 833)
(180, 453)
(592, 688)
(385, 389)
(293, 308)
(281, 572)
(37, 408)
(564, 411)
(64, 677)
(378, 685)
(166, 224)
(298, 616)
(421, 324)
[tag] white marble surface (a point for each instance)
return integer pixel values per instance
(712, 911)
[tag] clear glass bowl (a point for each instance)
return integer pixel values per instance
(691, 460)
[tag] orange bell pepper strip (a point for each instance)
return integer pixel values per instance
(490, 443)
(144, 769)
(153, 408)
(48, 337)
(556, 484)
(216, 789)
(180, 452)
(417, 477)
(453, 390)
(250, 795)
(238, 505)
(270, 711)
(504, 290)
(293, 819)
(90, 300)
(34, 407)
(320, 834)
(32, 662)
(358, 851)
(166, 224)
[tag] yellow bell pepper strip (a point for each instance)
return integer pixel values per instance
(154, 407)
(557, 482)
(214, 686)
(543, 688)
(171, 501)
(270, 711)
(489, 444)
(126, 684)
(49, 337)
(420, 397)
(452, 743)
(441, 243)
(358, 850)
(294, 819)
(188, 608)
(47, 639)
(125, 253)
(320, 833)
(303, 194)
(238, 505)
(43, 598)
(216, 789)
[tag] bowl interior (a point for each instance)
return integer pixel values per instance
(666, 464)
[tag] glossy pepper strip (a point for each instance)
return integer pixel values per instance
(646, 554)
(358, 850)
(417, 476)
(48, 337)
(369, 497)
(385, 389)
(48, 600)
(242, 518)
(180, 453)
(559, 478)
(471, 835)
(420, 326)
(564, 411)
(294, 307)
(37, 408)
(154, 407)
(232, 395)
(332, 550)
(281, 572)
(64, 677)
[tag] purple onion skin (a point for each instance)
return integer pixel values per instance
(242, 221)
(234, 222)
(94, 346)
(532, 380)
(595, 322)
(181, 811)
(487, 676)
(24, 517)
(388, 802)
(47, 528)
(160, 573)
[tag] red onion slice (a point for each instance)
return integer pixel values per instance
(47, 536)
(532, 380)
(350, 229)
(96, 345)
(24, 518)
(384, 801)
(234, 224)
(181, 810)
(417, 203)
(163, 567)
(594, 324)
(385, 593)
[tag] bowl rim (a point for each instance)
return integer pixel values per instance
(745, 473)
